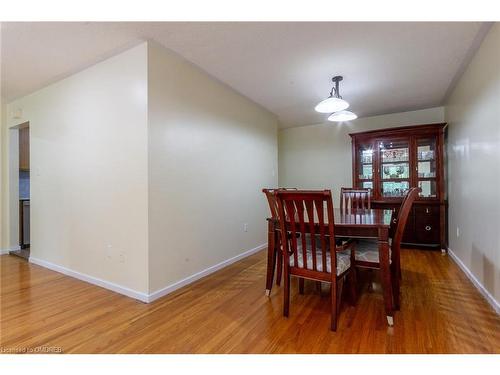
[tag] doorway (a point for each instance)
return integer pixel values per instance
(20, 192)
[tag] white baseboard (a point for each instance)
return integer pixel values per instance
(489, 298)
(190, 279)
(6, 251)
(143, 297)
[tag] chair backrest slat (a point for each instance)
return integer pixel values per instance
(395, 215)
(302, 215)
(354, 198)
(320, 213)
(290, 232)
(402, 216)
(272, 201)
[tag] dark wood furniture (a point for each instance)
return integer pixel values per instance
(274, 253)
(354, 198)
(374, 224)
(367, 255)
(307, 229)
(24, 149)
(390, 161)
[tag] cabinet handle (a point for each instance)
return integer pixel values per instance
(428, 227)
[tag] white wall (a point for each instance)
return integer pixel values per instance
(211, 151)
(89, 170)
(473, 115)
(320, 156)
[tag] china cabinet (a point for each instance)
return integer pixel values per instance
(390, 161)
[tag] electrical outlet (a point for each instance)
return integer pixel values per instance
(458, 232)
(122, 257)
(109, 252)
(245, 227)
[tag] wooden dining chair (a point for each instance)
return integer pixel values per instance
(367, 255)
(308, 238)
(354, 198)
(274, 253)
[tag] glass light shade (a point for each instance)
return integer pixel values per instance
(342, 116)
(331, 104)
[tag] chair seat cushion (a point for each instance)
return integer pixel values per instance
(343, 260)
(367, 251)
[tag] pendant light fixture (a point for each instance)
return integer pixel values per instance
(334, 103)
(342, 116)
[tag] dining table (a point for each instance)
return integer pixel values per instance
(371, 223)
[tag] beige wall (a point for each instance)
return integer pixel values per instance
(144, 171)
(473, 115)
(319, 156)
(4, 217)
(89, 170)
(3, 166)
(211, 151)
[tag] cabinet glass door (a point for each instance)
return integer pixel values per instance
(365, 166)
(426, 167)
(394, 168)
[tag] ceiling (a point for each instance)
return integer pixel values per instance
(285, 67)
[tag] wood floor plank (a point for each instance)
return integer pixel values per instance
(227, 312)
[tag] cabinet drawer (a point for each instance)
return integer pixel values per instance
(427, 211)
(427, 229)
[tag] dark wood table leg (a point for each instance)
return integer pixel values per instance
(271, 256)
(385, 273)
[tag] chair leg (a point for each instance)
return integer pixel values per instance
(352, 276)
(271, 258)
(396, 260)
(352, 285)
(333, 296)
(340, 286)
(280, 267)
(372, 283)
(301, 286)
(395, 286)
(286, 294)
(318, 287)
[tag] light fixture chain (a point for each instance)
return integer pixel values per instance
(335, 89)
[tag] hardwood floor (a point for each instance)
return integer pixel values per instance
(227, 312)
